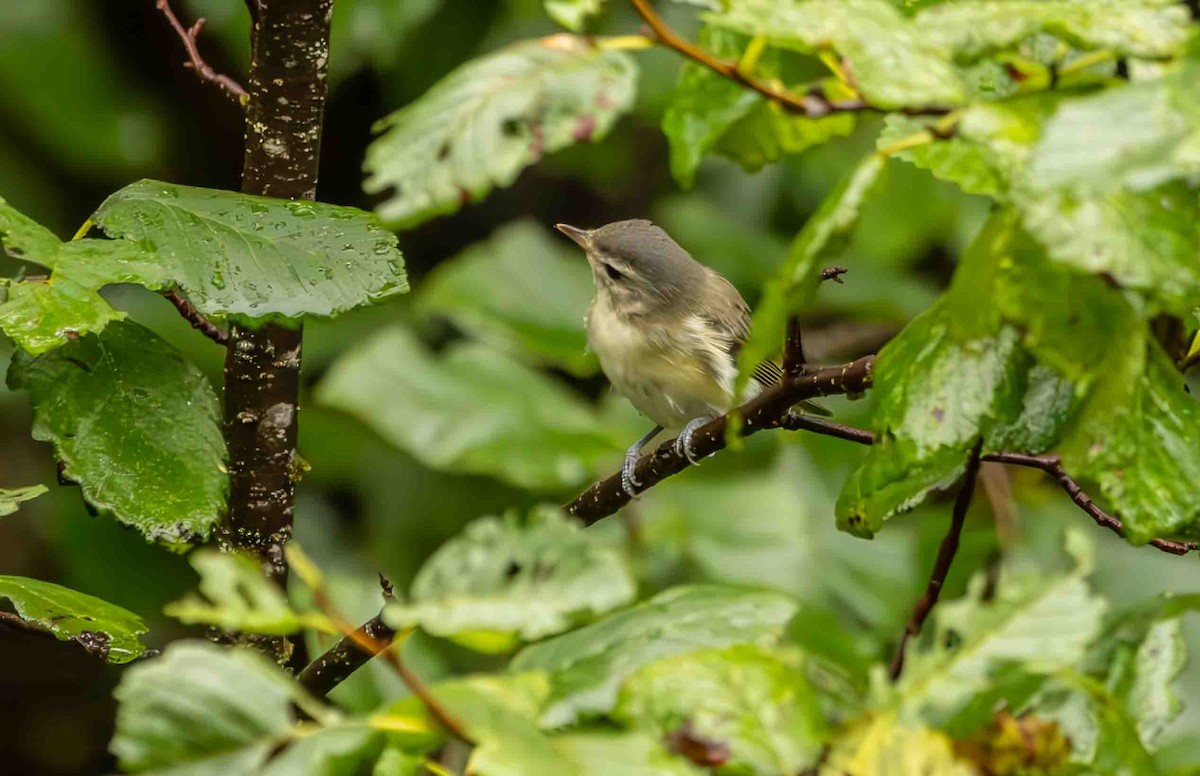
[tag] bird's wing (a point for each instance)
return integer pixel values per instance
(730, 319)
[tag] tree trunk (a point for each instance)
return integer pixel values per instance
(262, 366)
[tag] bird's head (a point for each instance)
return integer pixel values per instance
(638, 268)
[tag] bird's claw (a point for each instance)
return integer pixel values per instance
(683, 443)
(629, 482)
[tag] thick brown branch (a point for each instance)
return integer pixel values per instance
(941, 566)
(767, 410)
(196, 62)
(196, 318)
(284, 117)
(347, 656)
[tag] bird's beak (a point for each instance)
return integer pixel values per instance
(582, 237)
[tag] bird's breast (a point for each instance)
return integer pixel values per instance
(669, 371)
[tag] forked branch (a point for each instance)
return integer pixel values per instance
(204, 71)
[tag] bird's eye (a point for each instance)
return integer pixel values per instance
(613, 272)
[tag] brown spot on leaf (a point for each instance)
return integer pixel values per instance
(584, 127)
(464, 197)
(537, 145)
(939, 413)
(697, 748)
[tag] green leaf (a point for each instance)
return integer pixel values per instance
(520, 291)
(1158, 662)
(1139, 28)
(12, 498)
(791, 289)
(1008, 355)
(892, 63)
(237, 597)
(470, 409)
(137, 427)
(40, 316)
(1103, 737)
(347, 751)
(1138, 437)
(1142, 240)
(105, 630)
(202, 709)
(499, 713)
(587, 666)
(1040, 625)
(492, 117)
(606, 753)
(989, 149)
(710, 112)
(503, 580)
(254, 258)
(1140, 134)
(761, 707)
(884, 746)
(573, 13)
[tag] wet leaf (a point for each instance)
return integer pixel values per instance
(106, 630)
(588, 666)
(471, 409)
(1140, 134)
(522, 291)
(891, 62)
(1141, 28)
(254, 258)
(607, 753)
(137, 427)
(758, 705)
(491, 118)
(1138, 437)
(12, 498)
(503, 580)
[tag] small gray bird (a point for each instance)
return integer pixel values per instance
(666, 329)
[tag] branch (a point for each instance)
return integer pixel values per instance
(793, 348)
(347, 656)
(1050, 464)
(369, 645)
(196, 62)
(770, 409)
(196, 318)
(941, 566)
(813, 104)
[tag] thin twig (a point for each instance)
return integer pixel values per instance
(813, 104)
(793, 350)
(376, 646)
(347, 656)
(196, 318)
(769, 409)
(1052, 465)
(941, 566)
(203, 70)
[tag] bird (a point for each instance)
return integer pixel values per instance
(666, 330)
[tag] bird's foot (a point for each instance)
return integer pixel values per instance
(629, 482)
(683, 443)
